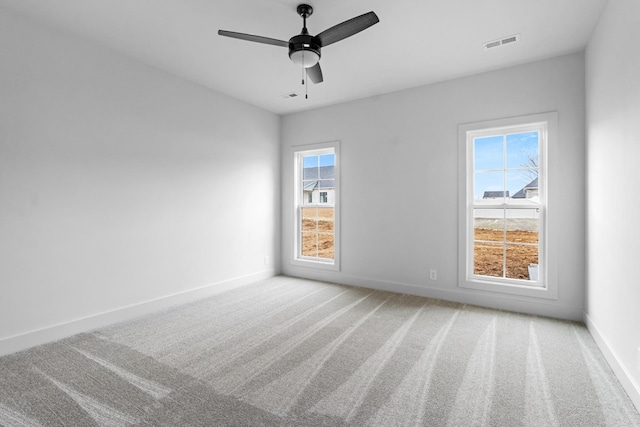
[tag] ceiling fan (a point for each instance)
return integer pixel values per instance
(304, 49)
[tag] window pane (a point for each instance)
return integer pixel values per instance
(310, 219)
(327, 160)
(310, 167)
(488, 259)
(488, 225)
(326, 220)
(489, 186)
(309, 190)
(523, 225)
(523, 186)
(522, 150)
(327, 172)
(310, 161)
(309, 246)
(310, 174)
(325, 245)
(326, 183)
(519, 257)
(488, 153)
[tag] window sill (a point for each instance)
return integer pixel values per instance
(536, 291)
(316, 264)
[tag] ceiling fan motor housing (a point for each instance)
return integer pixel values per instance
(304, 50)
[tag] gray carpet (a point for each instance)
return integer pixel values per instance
(295, 352)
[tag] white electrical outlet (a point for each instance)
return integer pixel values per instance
(267, 260)
(433, 274)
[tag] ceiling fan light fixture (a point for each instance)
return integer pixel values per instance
(305, 58)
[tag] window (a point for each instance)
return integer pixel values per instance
(316, 187)
(503, 217)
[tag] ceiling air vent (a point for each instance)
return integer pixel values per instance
(503, 41)
(289, 95)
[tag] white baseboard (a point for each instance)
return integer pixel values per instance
(52, 333)
(627, 381)
(537, 306)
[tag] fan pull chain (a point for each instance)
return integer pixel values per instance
(304, 74)
(303, 67)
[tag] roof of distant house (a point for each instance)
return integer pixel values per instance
(323, 172)
(495, 194)
(522, 194)
(322, 177)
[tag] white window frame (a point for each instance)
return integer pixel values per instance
(547, 284)
(298, 153)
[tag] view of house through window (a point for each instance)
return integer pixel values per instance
(506, 204)
(316, 213)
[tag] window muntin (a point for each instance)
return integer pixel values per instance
(315, 207)
(505, 239)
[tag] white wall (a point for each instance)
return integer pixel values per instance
(406, 142)
(121, 184)
(613, 112)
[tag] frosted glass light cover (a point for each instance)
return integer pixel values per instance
(305, 58)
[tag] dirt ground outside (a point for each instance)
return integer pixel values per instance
(521, 249)
(318, 232)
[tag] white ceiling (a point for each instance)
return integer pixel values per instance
(416, 42)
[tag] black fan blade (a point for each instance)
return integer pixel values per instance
(315, 73)
(252, 38)
(347, 28)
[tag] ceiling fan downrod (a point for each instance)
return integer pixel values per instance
(304, 10)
